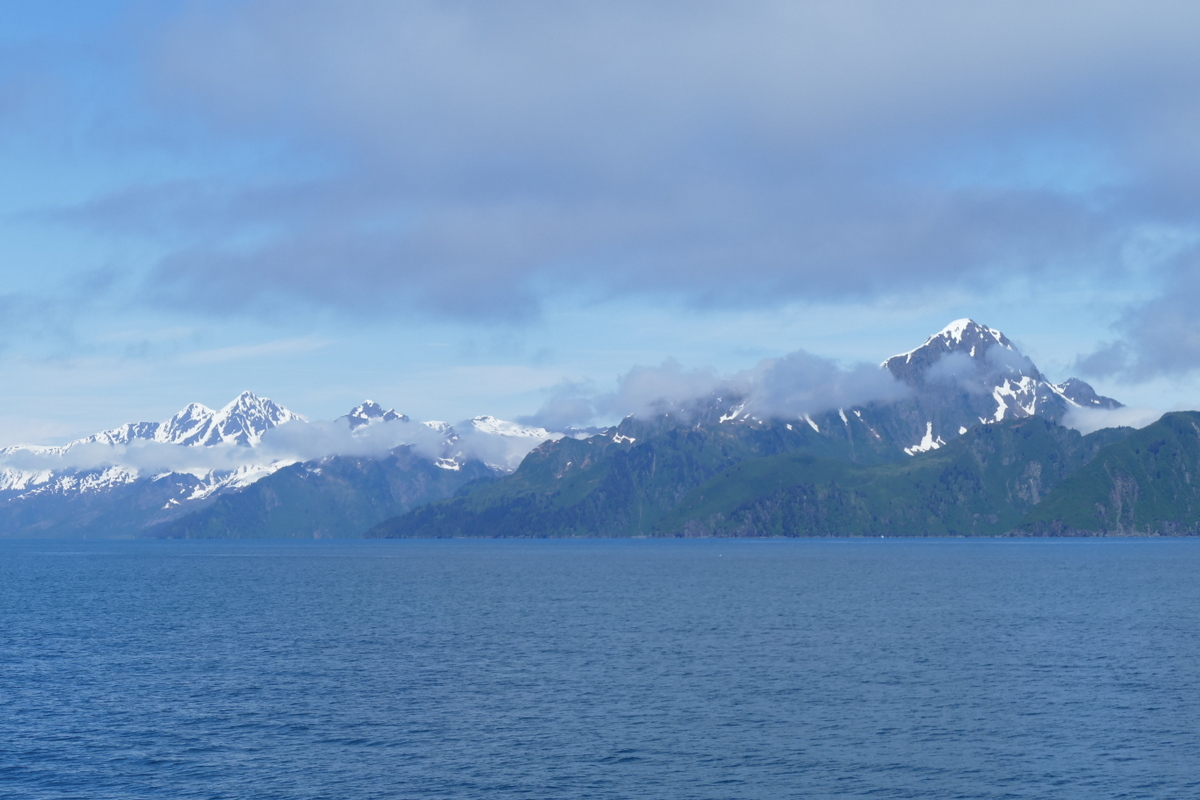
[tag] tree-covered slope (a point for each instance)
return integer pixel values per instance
(1149, 483)
(769, 481)
(980, 484)
(620, 483)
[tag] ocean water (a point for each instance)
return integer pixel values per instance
(600, 669)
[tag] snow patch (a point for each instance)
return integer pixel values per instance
(927, 443)
(733, 413)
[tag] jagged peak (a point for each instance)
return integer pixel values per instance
(965, 335)
(194, 408)
(369, 412)
(959, 329)
(367, 408)
(249, 400)
(189, 413)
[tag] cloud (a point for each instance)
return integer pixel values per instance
(51, 320)
(954, 369)
(1160, 337)
(1088, 420)
(220, 355)
(291, 442)
(977, 376)
(570, 404)
(312, 440)
(790, 386)
(801, 383)
(472, 159)
(667, 388)
(150, 457)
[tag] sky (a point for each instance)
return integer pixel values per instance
(463, 208)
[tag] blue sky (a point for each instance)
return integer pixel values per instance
(460, 208)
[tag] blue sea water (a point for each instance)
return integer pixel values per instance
(600, 669)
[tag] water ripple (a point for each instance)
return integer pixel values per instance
(600, 669)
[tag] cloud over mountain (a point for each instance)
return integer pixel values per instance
(793, 385)
(180, 445)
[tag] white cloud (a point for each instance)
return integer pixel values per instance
(790, 386)
(1089, 420)
(291, 442)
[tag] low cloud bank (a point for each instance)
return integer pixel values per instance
(790, 386)
(292, 442)
(801, 383)
(1089, 420)
(979, 375)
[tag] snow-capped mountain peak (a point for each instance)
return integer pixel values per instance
(183, 462)
(963, 336)
(246, 418)
(369, 412)
(186, 426)
(968, 374)
(242, 421)
(961, 330)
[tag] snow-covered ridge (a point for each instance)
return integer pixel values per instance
(369, 413)
(109, 458)
(960, 335)
(208, 452)
(499, 427)
(242, 421)
(499, 444)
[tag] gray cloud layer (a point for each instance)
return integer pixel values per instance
(790, 386)
(479, 156)
(1159, 337)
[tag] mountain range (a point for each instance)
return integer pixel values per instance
(136, 478)
(972, 439)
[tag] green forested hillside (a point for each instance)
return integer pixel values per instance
(1147, 484)
(979, 484)
(617, 484)
(717, 480)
